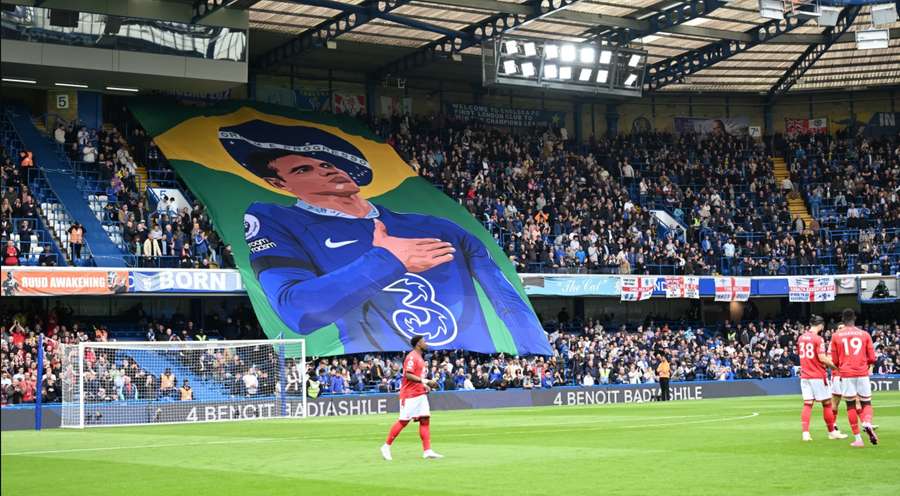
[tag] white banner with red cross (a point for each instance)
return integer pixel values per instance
(732, 288)
(637, 288)
(683, 287)
(811, 289)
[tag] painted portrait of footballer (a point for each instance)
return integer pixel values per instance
(380, 276)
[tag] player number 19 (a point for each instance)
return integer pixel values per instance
(854, 343)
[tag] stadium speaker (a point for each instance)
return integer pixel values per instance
(828, 16)
(64, 18)
(113, 25)
(885, 13)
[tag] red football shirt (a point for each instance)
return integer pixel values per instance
(852, 351)
(414, 364)
(809, 346)
(835, 373)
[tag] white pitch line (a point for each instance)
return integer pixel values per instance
(141, 446)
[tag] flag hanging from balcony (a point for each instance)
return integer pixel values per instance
(811, 289)
(732, 288)
(683, 287)
(637, 288)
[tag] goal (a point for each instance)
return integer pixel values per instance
(134, 383)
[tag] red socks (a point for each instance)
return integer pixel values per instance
(804, 417)
(854, 419)
(395, 431)
(828, 415)
(425, 433)
(866, 415)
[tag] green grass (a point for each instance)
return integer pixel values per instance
(681, 448)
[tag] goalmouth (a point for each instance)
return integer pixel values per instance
(140, 383)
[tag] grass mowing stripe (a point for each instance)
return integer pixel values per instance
(555, 450)
(330, 438)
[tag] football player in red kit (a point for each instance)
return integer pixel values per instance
(853, 353)
(414, 388)
(814, 378)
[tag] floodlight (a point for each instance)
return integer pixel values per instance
(511, 47)
(634, 61)
(584, 75)
(605, 57)
(509, 66)
(530, 49)
(550, 71)
(565, 72)
(630, 80)
(528, 69)
(551, 52)
(587, 55)
(602, 76)
(568, 53)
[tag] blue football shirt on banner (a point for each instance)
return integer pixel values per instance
(317, 266)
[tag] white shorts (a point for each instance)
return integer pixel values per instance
(415, 407)
(856, 387)
(836, 388)
(814, 390)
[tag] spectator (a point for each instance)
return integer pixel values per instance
(76, 240)
(251, 382)
(186, 393)
(11, 254)
(59, 134)
(167, 383)
(25, 234)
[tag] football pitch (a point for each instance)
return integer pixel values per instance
(738, 446)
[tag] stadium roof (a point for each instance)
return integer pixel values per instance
(385, 32)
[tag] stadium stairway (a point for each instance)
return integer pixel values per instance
(61, 180)
(156, 363)
(142, 178)
(796, 205)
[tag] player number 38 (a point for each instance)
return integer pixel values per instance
(807, 350)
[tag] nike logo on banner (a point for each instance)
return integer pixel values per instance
(331, 244)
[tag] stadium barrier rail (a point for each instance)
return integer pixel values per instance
(61, 281)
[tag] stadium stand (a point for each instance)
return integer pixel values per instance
(558, 207)
(584, 354)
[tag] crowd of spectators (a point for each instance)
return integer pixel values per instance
(22, 242)
(109, 375)
(583, 354)
(595, 355)
(155, 231)
(554, 205)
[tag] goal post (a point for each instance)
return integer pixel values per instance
(137, 383)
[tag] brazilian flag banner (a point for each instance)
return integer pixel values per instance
(337, 239)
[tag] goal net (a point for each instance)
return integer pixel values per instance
(132, 383)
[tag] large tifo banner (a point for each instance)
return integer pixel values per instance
(336, 238)
(506, 117)
(736, 126)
